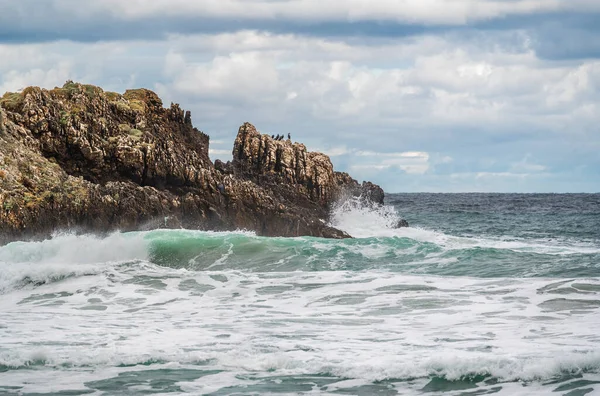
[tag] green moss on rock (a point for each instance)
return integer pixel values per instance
(146, 96)
(92, 91)
(123, 107)
(71, 87)
(64, 118)
(112, 96)
(12, 101)
(8, 205)
(137, 105)
(136, 133)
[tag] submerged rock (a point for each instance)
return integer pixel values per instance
(80, 158)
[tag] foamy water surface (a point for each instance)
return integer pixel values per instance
(395, 311)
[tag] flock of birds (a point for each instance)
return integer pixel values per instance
(280, 137)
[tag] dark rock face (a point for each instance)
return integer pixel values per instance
(77, 157)
(401, 223)
(224, 167)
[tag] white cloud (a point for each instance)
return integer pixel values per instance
(332, 80)
(410, 162)
(525, 166)
(249, 76)
(17, 80)
(336, 151)
(485, 175)
(216, 152)
(457, 12)
(51, 64)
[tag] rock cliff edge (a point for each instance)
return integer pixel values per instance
(80, 158)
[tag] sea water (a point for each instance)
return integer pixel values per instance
(483, 294)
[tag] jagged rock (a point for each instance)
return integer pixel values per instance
(269, 161)
(80, 158)
(224, 167)
(401, 223)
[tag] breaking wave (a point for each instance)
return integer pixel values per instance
(377, 245)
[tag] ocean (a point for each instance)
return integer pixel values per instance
(482, 294)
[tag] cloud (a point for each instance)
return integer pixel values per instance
(557, 29)
(526, 167)
(336, 151)
(463, 102)
(424, 11)
(428, 78)
(17, 81)
(410, 162)
(227, 76)
(218, 153)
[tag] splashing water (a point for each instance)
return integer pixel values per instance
(394, 311)
(363, 219)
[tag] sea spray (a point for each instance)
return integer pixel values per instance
(362, 218)
(66, 255)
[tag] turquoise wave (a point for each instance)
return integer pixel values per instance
(411, 251)
(454, 257)
(217, 251)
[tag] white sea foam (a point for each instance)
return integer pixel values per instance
(78, 249)
(363, 220)
(67, 248)
(366, 326)
(66, 255)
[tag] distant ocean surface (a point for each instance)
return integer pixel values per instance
(483, 294)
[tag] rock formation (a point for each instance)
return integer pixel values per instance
(80, 158)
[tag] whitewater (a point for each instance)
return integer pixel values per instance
(483, 294)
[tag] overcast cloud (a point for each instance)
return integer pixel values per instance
(419, 95)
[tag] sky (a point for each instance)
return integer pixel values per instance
(415, 95)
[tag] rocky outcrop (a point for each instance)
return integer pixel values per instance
(80, 158)
(267, 161)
